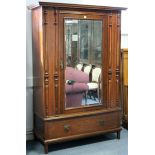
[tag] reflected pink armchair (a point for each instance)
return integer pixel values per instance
(75, 91)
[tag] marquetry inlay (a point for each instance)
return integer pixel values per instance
(56, 79)
(46, 80)
(110, 73)
(118, 20)
(55, 16)
(117, 73)
(110, 20)
(45, 17)
(46, 76)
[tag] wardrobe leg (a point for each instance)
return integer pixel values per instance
(46, 148)
(35, 138)
(118, 134)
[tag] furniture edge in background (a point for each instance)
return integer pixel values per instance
(124, 86)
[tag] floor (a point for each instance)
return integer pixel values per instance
(101, 145)
(90, 101)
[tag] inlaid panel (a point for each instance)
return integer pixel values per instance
(114, 59)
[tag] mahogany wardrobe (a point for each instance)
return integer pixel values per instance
(76, 71)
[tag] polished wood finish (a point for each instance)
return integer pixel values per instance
(79, 6)
(77, 126)
(52, 122)
(38, 68)
(46, 148)
(124, 83)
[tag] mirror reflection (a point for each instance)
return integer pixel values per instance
(83, 62)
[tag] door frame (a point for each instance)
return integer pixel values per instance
(104, 96)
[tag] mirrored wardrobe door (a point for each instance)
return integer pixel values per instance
(83, 62)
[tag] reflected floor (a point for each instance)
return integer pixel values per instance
(90, 101)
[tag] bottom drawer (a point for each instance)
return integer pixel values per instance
(81, 125)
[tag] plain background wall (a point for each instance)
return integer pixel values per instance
(29, 73)
(29, 70)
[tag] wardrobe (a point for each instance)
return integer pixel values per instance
(72, 102)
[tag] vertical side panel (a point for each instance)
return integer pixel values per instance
(58, 73)
(105, 64)
(118, 77)
(38, 62)
(109, 59)
(62, 58)
(62, 62)
(51, 59)
(46, 67)
(114, 59)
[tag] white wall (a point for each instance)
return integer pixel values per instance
(124, 29)
(29, 76)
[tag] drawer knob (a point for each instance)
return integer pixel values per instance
(67, 128)
(101, 122)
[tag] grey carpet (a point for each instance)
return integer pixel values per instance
(101, 145)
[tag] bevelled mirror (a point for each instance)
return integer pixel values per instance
(83, 62)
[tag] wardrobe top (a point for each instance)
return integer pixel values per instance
(77, 6)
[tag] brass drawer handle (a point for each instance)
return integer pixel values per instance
(101, 122)
(67, 128)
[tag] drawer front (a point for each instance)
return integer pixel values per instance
(87, 124)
